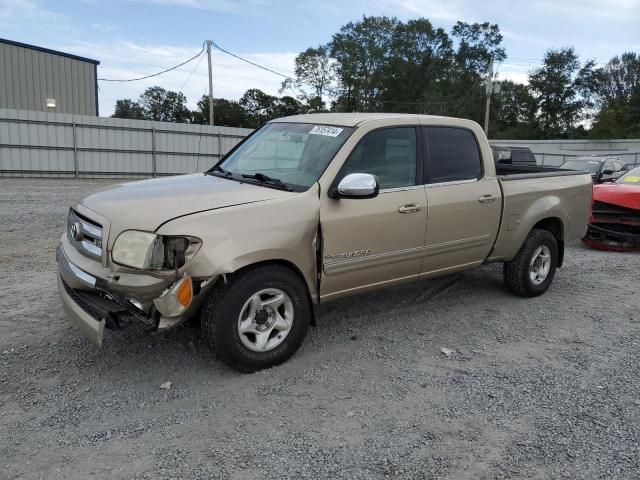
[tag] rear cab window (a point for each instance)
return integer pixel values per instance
(452, 155)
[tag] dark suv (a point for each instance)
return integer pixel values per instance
(603, 169)
(510, 155)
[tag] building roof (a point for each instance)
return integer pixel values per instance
(47, 50)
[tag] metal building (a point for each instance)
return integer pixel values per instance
(35, 78)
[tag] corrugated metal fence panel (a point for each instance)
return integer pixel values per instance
(43, 144)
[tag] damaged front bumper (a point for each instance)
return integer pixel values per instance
(93, 304)
(613, 228)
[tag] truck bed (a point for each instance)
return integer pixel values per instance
(508, 172)
(533, 194)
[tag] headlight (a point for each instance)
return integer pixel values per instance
(148, 251)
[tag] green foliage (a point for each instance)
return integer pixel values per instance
(127, 108)
(618, 95)
(562, 89)
(385, 64)
(164, 105)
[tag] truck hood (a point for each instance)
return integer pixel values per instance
(147, 204)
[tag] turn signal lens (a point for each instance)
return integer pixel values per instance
(176, 299)
(184, 294)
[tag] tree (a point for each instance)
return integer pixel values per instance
(361, 51)
(127, 108)
(313, 70)
(416, 70)
(513, 112)
(562, 88)
(259, 107)
(618, 96)
(478, 43)
(164, 105)
(228, 113)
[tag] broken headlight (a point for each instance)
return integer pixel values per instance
(148, 251)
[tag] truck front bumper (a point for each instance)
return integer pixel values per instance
(93, 304)
(91, 307)
(91, 327)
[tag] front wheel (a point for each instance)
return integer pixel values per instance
(258, 319)
(531, 272)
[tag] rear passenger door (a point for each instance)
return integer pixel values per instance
(464, 204)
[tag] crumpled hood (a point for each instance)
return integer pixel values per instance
(147, 204)
(622, 195)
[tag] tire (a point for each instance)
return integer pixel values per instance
(518, 272)
(221, 322)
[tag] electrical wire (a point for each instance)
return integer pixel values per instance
(288, 77)
(153, 74)
(192, 72)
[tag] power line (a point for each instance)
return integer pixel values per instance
(153, 74)
(192, 71)
(252, 63)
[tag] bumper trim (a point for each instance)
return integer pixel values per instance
(91, 328)
(68, 267)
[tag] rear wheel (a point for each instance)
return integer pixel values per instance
(258, 319)
(531, 272)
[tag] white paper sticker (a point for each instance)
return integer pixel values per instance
(326, 131)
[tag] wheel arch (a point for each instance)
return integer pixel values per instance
(282, 263)
(555, 226)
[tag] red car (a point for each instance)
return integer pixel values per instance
(615, 216)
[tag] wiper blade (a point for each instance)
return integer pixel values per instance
(261, 177)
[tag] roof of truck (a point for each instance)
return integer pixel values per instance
(353, 119)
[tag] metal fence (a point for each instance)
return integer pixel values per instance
(51, 144)
(632, 159)
(555, 152)
(62, 145)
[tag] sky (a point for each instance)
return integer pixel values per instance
(133, 38)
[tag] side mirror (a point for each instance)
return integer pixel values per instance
(607, 171)
(358, 185)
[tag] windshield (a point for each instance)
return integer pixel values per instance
(632, 177)
(296, 154)
(591, 165)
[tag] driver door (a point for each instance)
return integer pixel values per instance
(377, 241)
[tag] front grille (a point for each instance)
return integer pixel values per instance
(84, 234)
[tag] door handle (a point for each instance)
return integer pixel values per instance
(410, 208)
(487, 198)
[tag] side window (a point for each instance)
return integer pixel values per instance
(390, 154)
(453, 155)
(608, 165)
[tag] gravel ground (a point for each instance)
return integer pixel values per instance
(538, 388)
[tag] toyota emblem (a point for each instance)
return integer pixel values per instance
(75, 231)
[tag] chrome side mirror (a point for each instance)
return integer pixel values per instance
(358, 185)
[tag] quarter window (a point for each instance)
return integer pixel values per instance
(453, 155)
(390, 154)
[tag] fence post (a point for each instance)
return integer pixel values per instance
(75, 151)
(542, 164)
(153, 152)
(219, 145)
(636, 162)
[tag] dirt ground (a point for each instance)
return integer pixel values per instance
(536, 388)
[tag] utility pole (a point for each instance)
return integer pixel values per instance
(209, 42)
(489, 90)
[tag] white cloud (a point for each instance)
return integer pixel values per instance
(26, 10)
(231, 77)
(439, 9)
(229, 6)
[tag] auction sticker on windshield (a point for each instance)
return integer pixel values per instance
(326, 131)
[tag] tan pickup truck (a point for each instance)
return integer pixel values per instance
(305, 210)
